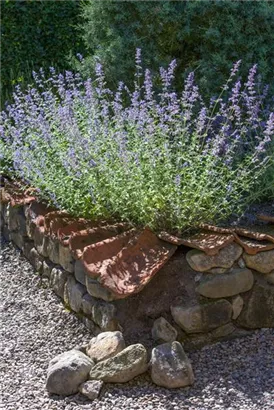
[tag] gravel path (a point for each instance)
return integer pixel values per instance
(35, 327)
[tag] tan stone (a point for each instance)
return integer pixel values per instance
(223, 331)
(163, 331)
(105, 345)
(262, 262)
(123, 367)
(65, 258)
(237, 306)
(201, 262)
(203, 317)
(226, 284)
(258, 310)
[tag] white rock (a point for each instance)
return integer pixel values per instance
(91, 388)
(67, 371)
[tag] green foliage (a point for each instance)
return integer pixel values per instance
(165, 160)
(205, 36)
(34, 34)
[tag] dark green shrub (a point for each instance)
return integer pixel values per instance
(205, 36)
(36, 33)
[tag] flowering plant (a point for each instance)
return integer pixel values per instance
(168, 160)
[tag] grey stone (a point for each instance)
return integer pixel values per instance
(226, 284)
(104, 315)
(6, 233)
(58, 279)
(202, 317)
(217, 271)
(197, 341)
(87, 304)
(80, 272)
(237, 306)
(96, 290)
(90, 325)
(17, 238)
(41, 242)
(67, 372)
(11, 217)
(241, 263)
(262, 262)
(73, 294)
(258, 310)
(65, 258)
(53, 250)
(270, 278)
(201, 262)
(170, 366)
(47, 268)
(36, 260)
(123, 367)
(91, 389)
(105, 345)
(163, 331)
(223, 331)
(28, 246)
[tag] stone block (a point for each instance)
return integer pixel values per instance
(258, 310)
(225, 258)
(65, 258)
(73, 293)
(36, 260)
(80, 272)
(104, 315)
(96, 290)
(17, 238)
(87, 304)
(226, 284)
(123, 367)
(202, 317)
(170, 366)
(262, 262)
(47, 268)
(163, 331)
(53, 250)
(41, 242)
(58, 279)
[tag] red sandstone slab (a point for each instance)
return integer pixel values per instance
(15, 196)
(266, 218)
(136, 264)
(252, 246)
(208, 242)
(98, 256)
(79, 240)
(64, 233)
(56, 220)
(260, 233)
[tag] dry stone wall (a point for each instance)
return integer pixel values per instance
(224, 295)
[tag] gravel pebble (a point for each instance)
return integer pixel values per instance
(35, 327)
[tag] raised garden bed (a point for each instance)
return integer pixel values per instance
(153, 287)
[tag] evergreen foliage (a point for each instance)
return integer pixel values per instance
(205, 36)
(34, 34)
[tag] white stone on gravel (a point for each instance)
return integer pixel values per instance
(67, 371)
(34, 326)
(91, 388)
